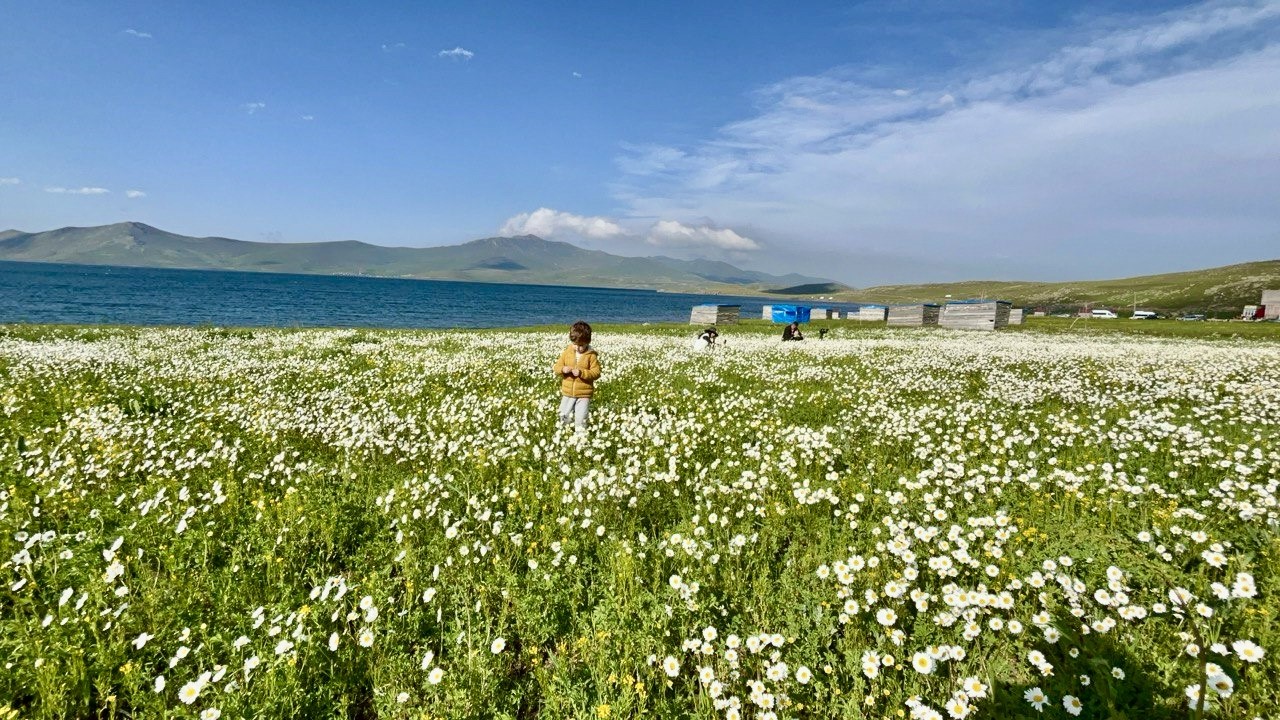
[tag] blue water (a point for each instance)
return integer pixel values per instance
(92, 294)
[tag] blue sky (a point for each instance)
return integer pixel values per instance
(870, 142)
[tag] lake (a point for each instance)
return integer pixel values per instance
(93, 294)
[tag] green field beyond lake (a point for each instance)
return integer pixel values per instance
(1070, 519)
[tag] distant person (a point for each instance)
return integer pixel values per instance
(706, 339)
(792, 332)
(822, 333)
(578, 369)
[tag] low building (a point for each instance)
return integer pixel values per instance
(1270, 304)
(975, 314)
(790, 313)
(871, 313)
(918, 315)
(715, 314)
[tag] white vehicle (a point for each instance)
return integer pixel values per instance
(1143, 315)
(1105, 314)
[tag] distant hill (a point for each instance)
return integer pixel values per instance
(1220, 290)
(825, 288)
(524, 259)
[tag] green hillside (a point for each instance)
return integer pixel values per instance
(1220, 290)
(526, 259)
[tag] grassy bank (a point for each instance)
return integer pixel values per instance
(1081, 328)
(1220, 291)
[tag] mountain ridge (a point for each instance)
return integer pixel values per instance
(521, 259)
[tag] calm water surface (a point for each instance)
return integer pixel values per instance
(90, 294)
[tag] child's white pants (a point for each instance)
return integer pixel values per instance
(574, 410)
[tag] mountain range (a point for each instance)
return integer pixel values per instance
(524, 259)
(531, 259)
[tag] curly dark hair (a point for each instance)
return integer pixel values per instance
(580, 333)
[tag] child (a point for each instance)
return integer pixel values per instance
(578, 369)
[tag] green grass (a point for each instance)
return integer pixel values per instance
(1124, 327)
(1221, 291)
(263, 483)
(1082, 327)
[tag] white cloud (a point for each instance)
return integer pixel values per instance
(1136, 53)
(577, 74)
(547, 223)
(10, 181)
(650, 159)
(253, 107)
(134, 194)
(458, 53)
(137, 34)
(393, 47)
(77, 191)
(1147, 148)
(554, 224)
(308, 118)
(670, 233)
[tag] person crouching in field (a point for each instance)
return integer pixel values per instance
(706, 339)
(578, 369)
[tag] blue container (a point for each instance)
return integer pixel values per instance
(791, 313)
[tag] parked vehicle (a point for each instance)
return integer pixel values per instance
(1104, 314)
(1144, 315)
(1191, 317)
(1254, 312)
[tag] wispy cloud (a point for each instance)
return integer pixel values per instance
(670, 233)
(577, 74)
(77, 191)
(138, 34)
(308, 118)
(393, 47)
(1140, 144)
(547, 223)
(10, 181)
(253, 107)
(458, 53)
(134, 194)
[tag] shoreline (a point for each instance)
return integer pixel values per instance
(840, 329)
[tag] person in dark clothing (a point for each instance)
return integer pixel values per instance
(792, 332)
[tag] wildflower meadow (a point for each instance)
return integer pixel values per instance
(205, 523)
